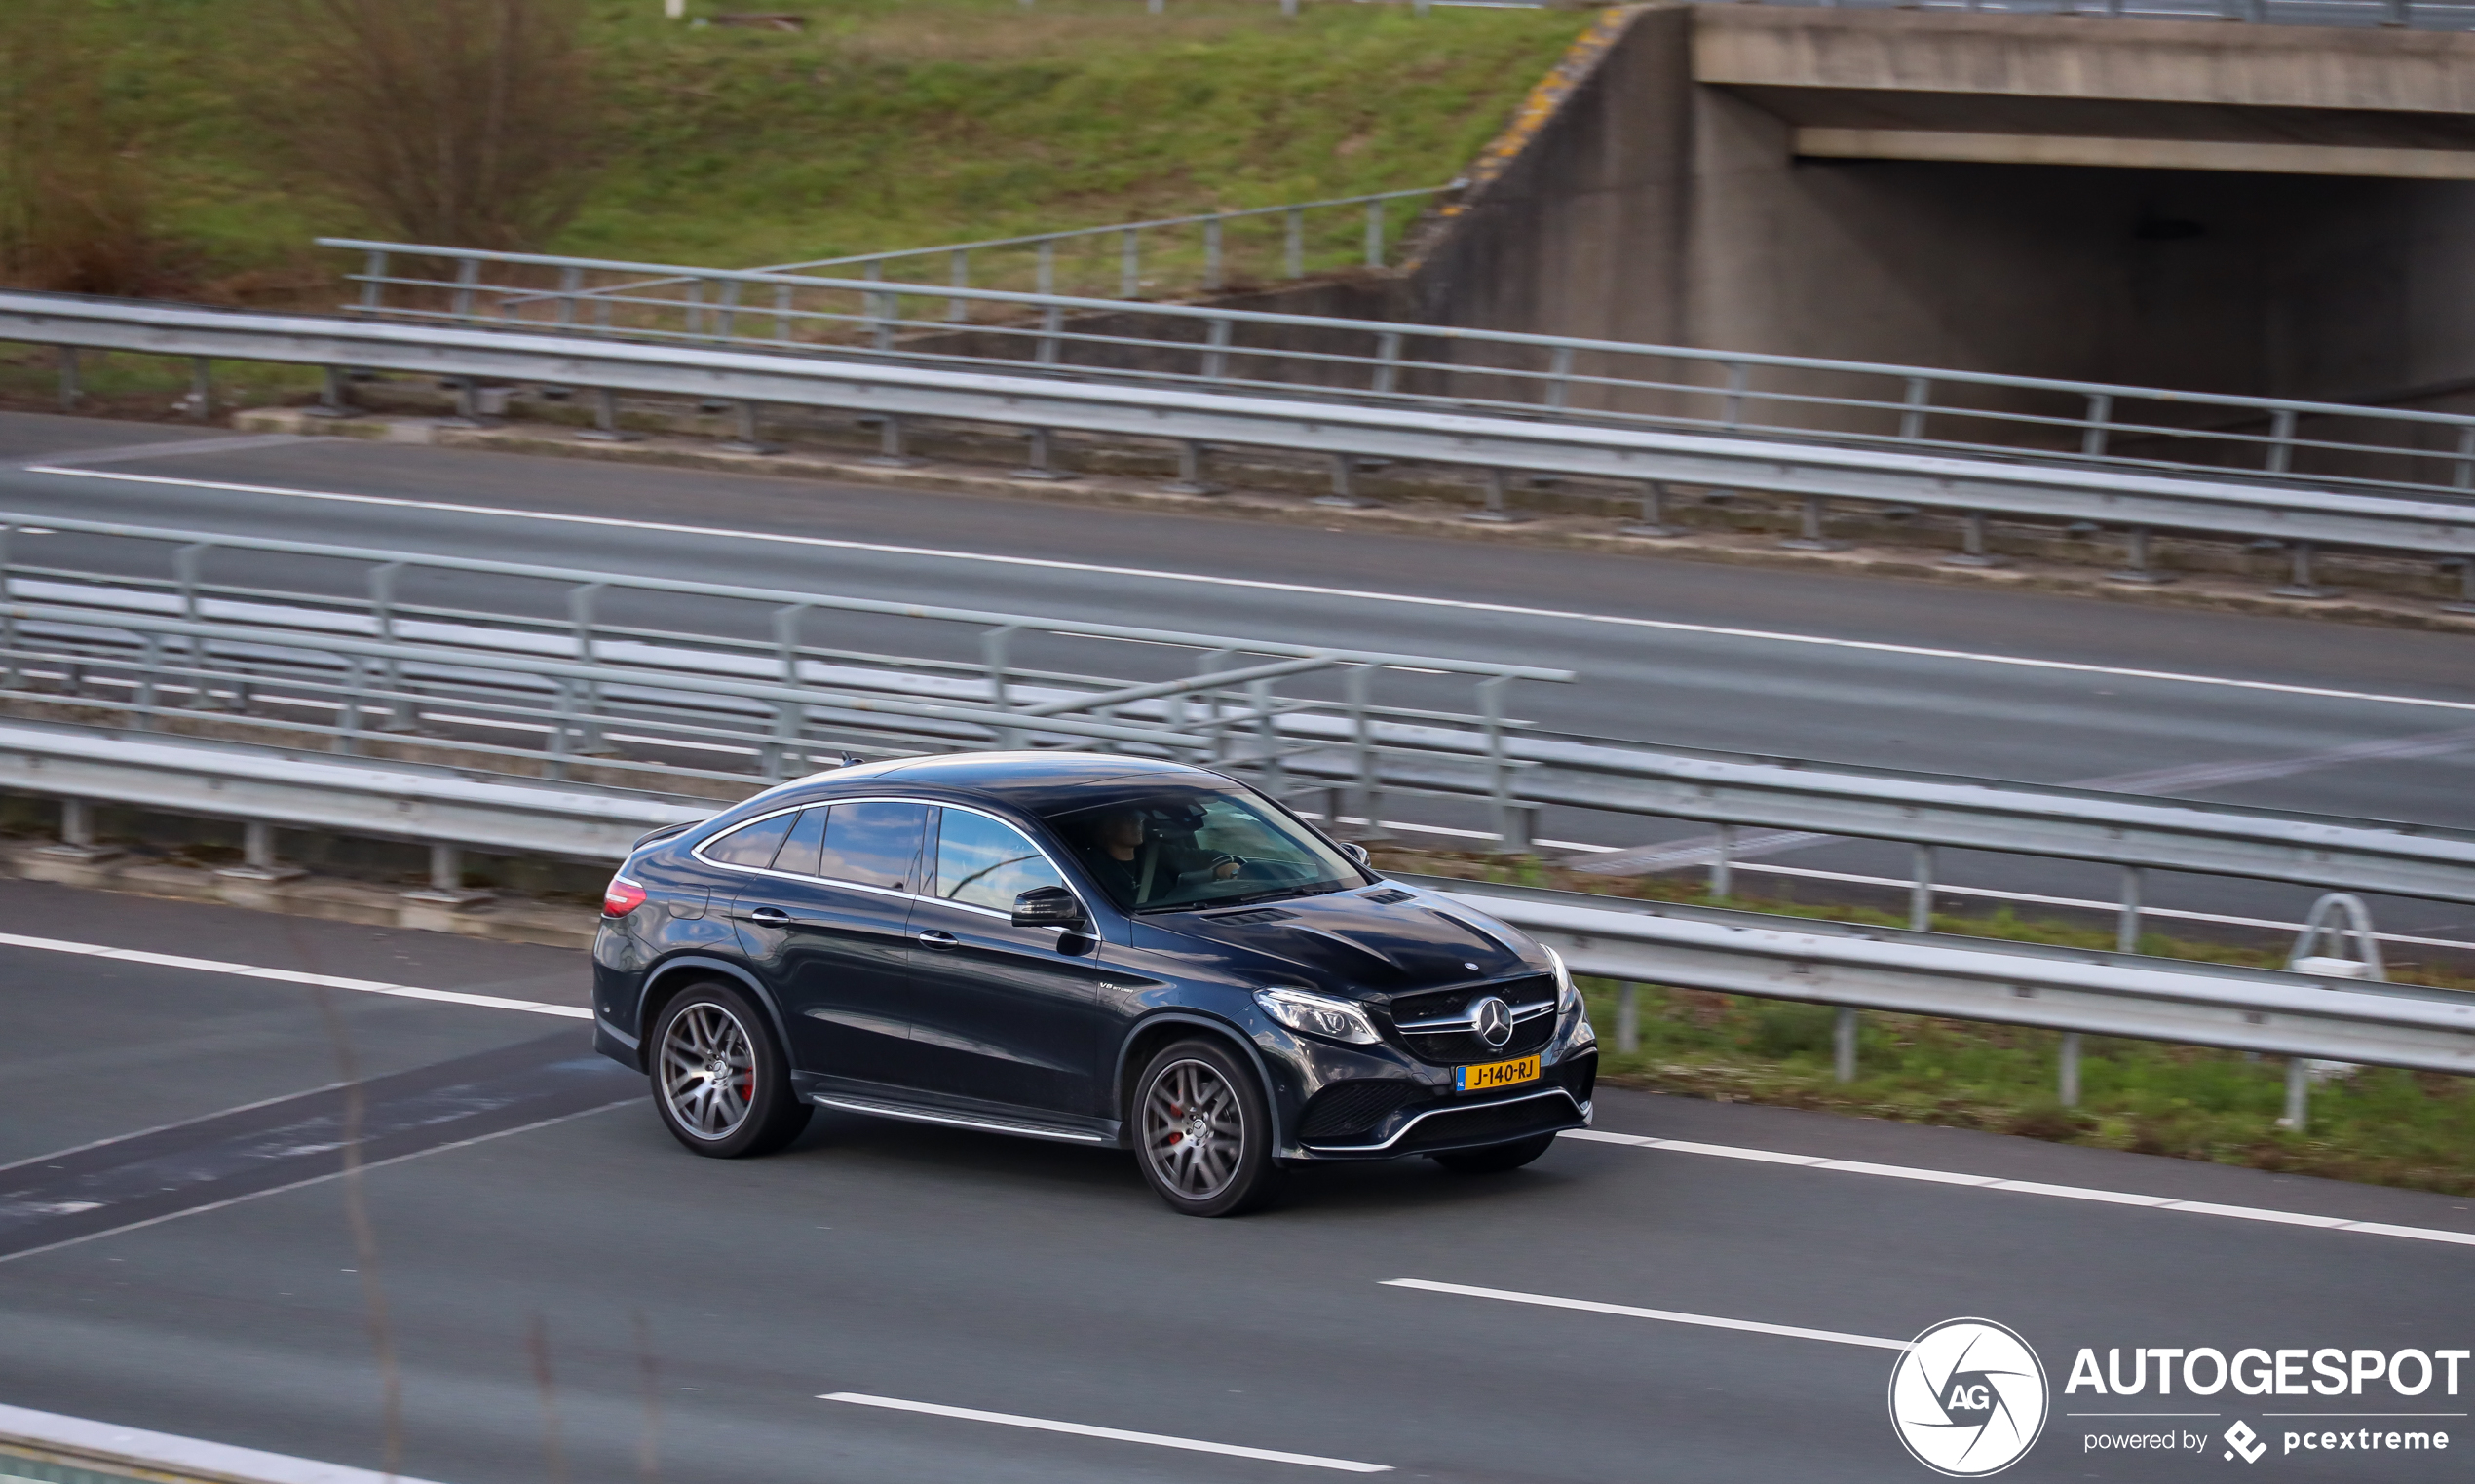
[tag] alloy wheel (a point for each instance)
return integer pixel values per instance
(1194, 1130)
(709, 1071)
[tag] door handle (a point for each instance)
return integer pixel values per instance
(772, 916)
(936, 939)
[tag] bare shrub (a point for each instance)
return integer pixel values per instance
(74, 214)
(465, 123)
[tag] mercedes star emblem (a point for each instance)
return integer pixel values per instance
(1492, 1018)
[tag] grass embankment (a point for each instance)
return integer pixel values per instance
(2375, 1124)
(885, 123)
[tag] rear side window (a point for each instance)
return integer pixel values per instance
(751, 844)
(806, 843)
(983, 863)
(874, 842)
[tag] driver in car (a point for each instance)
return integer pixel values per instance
(1135, 864)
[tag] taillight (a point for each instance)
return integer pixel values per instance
(621, 897)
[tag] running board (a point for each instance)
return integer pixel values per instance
(956, 1121)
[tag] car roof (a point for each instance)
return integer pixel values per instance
(1031, 779)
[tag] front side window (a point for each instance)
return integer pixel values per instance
(873, 842)
(1166, 848)
(982, 863)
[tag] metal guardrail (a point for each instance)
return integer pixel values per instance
(2420, 14)
(1729, 952)
(1346, 431)
(1114, 250)
(48, 1448)
(2281, 442)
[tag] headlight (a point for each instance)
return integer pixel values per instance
(1567, 998)
(1317, 1015)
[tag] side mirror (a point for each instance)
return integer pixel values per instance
(1048, 907)
(1354, 852)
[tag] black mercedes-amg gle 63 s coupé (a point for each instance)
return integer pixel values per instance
(1072, 947)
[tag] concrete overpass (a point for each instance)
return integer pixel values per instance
(2263, 208)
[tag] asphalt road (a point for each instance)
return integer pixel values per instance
(582, 1287)
(1865, 670)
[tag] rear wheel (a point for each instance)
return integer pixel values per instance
(1496, 1159)
(1203, 1130)
(719, 1077)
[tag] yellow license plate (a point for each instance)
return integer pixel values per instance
(1494, 1074)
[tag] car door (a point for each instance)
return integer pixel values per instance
(999, 1013)
(827, 919)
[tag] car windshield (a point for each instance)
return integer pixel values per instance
(1162, 847)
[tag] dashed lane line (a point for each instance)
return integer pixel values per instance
(2029, 1187)
(1629, 1312)
(1114, 1434)
(292, 977)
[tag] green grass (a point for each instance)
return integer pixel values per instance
(2375, 1124)
(886, 124)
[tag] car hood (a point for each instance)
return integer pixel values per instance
(1372, 942)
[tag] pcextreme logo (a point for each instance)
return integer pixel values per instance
(1968, 1398)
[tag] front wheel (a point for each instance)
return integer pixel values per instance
(1203, 1130)
(720, 1077)
(1496, 1159)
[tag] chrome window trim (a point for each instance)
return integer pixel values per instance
(860, 886)
(1419, 1118)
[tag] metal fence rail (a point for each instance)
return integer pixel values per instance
(2284, 442)
(1197, 252)
(1634, 456)
(2421, 14)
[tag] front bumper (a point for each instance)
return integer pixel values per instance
(1376, 1103)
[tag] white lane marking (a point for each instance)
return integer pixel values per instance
(1670, 626)
(165, 1453)
(1116, 1434)
(1627, 1310)
(332, 1174)
(2030, 1187)
(292, 977)
(123, 453)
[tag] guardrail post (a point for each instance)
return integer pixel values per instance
(2299, 583)
(1212, 253)
(1216, 356)
(1368, 788)
(1045, 279)
(605, 428)
(2298, 1094)
(1911, 421)
(2101, 406)
(2127, 922)
(992, 658)
(1921, 891)
(2281, 433)
(1387, 360)
(1375, 234)
(893, 446)
(1294, 247)
(2399, 14)
(202, 389)
(373, 286)
(1190, 479)
(1654, 520)
(2067, 1071)
(1731, 411)
(1560, 370)
(334, 400)
(77, 835)
(1972, 551)
(1129, 264)
(1628, 1018)
(2462, 472)
(1495, 514)
(1042, 464)
(257, 856)
(468, 275)
(782, 313)
(1844, 1045)
(2136, 567)
(726, 317)
(570, 279)
(69, 391)
(1723, 873)
(1052, 321)
(1345, 495)
(956, 311)
(1267, 736)
(1809, 537)
(748, 438)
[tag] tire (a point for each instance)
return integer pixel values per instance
(1203, 1130)
(1496, 1159)
(748, 1109)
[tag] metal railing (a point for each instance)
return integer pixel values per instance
(1194, 414)
(700, 688)
(2294, 1014)
(2274, 442)
(1210, 250)
(2420, 14)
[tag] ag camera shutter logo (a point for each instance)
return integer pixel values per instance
(1968, 1398)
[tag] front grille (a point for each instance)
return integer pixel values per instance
(1489, 1123)
(1449, 1047)
(1347, 1109)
